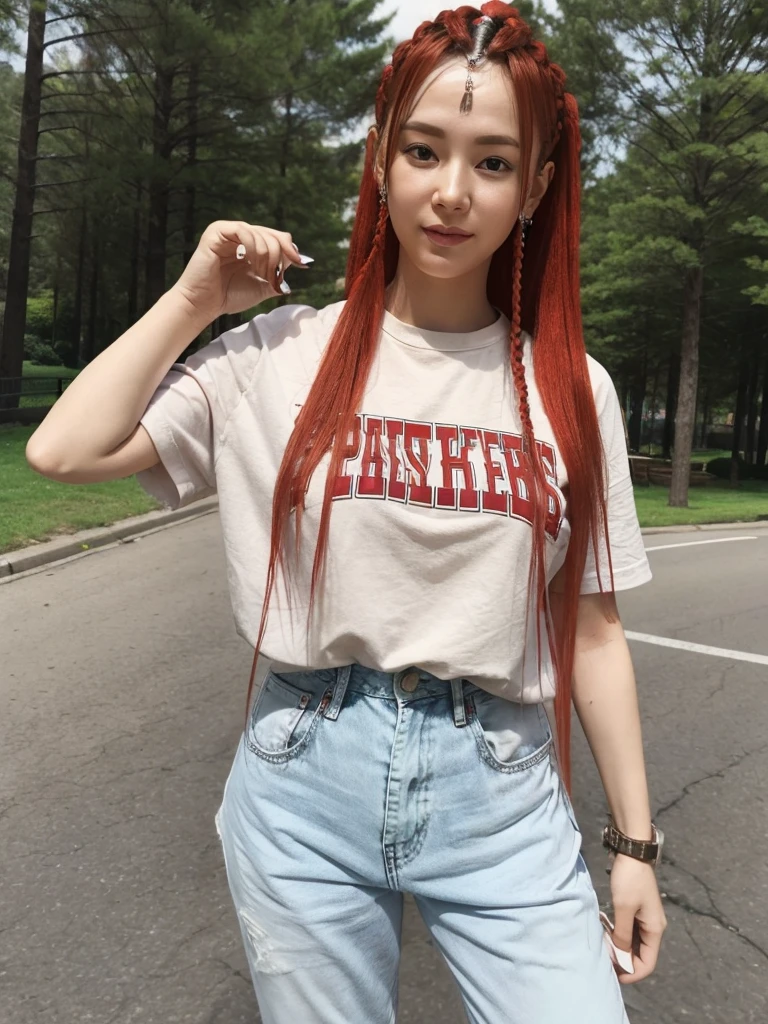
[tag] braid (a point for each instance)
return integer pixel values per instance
(377, 248)
(518, 369)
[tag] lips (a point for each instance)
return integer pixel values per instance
(445, 238)
(442, 230)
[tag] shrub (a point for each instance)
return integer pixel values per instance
(40, 352)
(721, 468)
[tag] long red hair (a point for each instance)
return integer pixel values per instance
(538, 293)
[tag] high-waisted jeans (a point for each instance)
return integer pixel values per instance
(351, 787)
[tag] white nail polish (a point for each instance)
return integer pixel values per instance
(285, 288)
(305, 259)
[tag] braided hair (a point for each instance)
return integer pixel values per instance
(533, 279)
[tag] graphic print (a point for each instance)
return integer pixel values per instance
(446, 466)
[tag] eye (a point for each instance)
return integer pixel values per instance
(422, 149)
(422, 154)
(497, 160)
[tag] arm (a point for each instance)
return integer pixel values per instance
(605, 698)
(92, 432)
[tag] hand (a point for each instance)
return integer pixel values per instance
(217, 280)
(639, 915)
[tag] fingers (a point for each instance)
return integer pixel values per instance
(268, 253)
(645, 953)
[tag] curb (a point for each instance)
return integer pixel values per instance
(759, 524)
(15, 562)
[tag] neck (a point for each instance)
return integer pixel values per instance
(453, 305)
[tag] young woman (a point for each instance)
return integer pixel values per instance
(427, 508)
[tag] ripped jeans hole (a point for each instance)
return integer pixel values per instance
(262, 952)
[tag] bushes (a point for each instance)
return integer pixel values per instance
(40, 352)
(721, 468)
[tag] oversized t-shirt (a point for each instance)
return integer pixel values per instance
(430, 530)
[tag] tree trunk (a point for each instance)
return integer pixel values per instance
(686, 393)
(77, 319)
(159, 192)
(93, 298)
(738, 417)
(190, 195)
(704, 417)
(653, 408)
(133, 285)
(749, 440)
(15, 319)
(636, 402)
(673, 380)
(762, 437)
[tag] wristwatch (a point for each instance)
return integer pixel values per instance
(641, 849)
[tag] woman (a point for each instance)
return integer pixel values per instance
(472, 457)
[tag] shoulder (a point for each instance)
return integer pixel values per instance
(291, 321)
(603, 388)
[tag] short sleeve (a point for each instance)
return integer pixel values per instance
(188, 413)
(630, 562)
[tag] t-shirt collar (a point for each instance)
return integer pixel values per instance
(446, 341)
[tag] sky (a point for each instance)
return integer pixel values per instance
(410, 13)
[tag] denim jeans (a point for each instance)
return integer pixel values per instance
(351, 787)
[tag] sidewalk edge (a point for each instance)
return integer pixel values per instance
(12, 563)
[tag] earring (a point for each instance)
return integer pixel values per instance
(383, 194)
(525, 222)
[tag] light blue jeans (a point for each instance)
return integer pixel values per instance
(351, 787)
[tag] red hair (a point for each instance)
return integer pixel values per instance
(538, 293)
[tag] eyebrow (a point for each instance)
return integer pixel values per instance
(481, 140)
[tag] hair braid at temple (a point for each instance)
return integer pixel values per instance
(537, 290)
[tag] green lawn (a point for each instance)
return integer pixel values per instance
(34, 508)
(39, 401)
(717, 503)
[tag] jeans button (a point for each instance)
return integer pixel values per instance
(410, 681)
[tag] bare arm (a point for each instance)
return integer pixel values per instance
(92, 432)
(605, 698)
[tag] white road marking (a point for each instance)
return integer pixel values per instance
(693, 543)
(685, 645)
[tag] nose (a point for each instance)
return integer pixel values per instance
(452, 191)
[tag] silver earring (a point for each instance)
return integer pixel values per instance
(525, 222)
(383, 194)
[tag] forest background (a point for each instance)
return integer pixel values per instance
(129, 125)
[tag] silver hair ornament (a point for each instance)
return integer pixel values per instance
(485, 30)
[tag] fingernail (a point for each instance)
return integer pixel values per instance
(295, 246)
(285, 288)
(305, 259)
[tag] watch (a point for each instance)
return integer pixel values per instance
(641, 849)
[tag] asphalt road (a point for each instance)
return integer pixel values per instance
(122, 684)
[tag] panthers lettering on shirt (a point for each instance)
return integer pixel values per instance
(446, 466)
(429, 539)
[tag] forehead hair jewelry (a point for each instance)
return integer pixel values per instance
(485, 29)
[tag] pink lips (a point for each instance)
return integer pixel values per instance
(441, 238)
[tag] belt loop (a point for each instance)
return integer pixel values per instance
(342, 679)
(459, 711)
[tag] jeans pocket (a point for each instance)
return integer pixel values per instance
(282, 719)
(510, 737)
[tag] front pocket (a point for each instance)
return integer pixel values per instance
(282, 719)
(510, 736)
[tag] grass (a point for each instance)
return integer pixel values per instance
(41, 401)
(33, 508)
(717, 503)
(697, 455)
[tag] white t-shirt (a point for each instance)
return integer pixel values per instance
(426, 566)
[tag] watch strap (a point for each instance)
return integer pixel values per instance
(648, 851)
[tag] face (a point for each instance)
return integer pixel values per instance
(459, 171)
